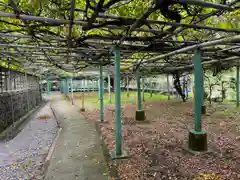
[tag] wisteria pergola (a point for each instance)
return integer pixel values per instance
(81, 34)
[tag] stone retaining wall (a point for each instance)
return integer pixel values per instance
(14, 105)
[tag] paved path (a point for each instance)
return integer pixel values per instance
(78, 154)
(23, 156)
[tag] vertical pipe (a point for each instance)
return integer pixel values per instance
(48, 87)
(168, 86)
(60, 85)
(237, 85)
(186, 87)
(40, 87)
(202, 85)
(143, 89)
(72, 91)
(118, 102)
(64, 85)
(222, 83)
(198, 83)
(109, 89)
(88, 86)
(67, 85)
(127, 86)
(101, 94)
(84, 85)
(93, 85)
(83, 108)
(98, 87)
(139, 91)
(151, 89)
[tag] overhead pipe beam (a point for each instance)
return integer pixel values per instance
(203, 63)
(207, 4)
(174, 24)
(61, 21)
(205, 17)
(193, 47)
(89, 41)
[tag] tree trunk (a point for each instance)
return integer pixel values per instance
(222, 92)
(210, 95)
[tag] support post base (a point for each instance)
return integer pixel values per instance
(140, 115)
(123, 155)
(82, 109)
(197, 141)
(203, 109)
(101, 117)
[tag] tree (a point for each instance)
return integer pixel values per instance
(101, 28)
(212, 81)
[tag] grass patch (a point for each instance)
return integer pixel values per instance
(93, 97)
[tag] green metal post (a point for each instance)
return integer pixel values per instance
(88, 86)
(237, 85)
(198, 84)
(118, 102)
(139, 91)
(202, 88)
(49, 84)
(127, 86)
(109, 90)
(64, 86)
(72, 97)
(60, 85)
(168, 86)
(197, 137)
(93, 85)
(203, 107)
(143, 89)
(140, 114)
(99, 87)
(67, 86)
(101, 95)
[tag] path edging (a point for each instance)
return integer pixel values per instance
(51, 150)
(55, 115)
(53, 145)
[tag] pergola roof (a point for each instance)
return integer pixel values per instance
(84, 39)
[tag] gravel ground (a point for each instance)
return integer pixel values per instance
(22, 158)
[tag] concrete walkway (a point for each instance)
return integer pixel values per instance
(23, 156)
(78, 154)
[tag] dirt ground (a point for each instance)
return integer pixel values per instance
(156, 146)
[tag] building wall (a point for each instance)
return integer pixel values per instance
(159, 83)
(19, 93)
